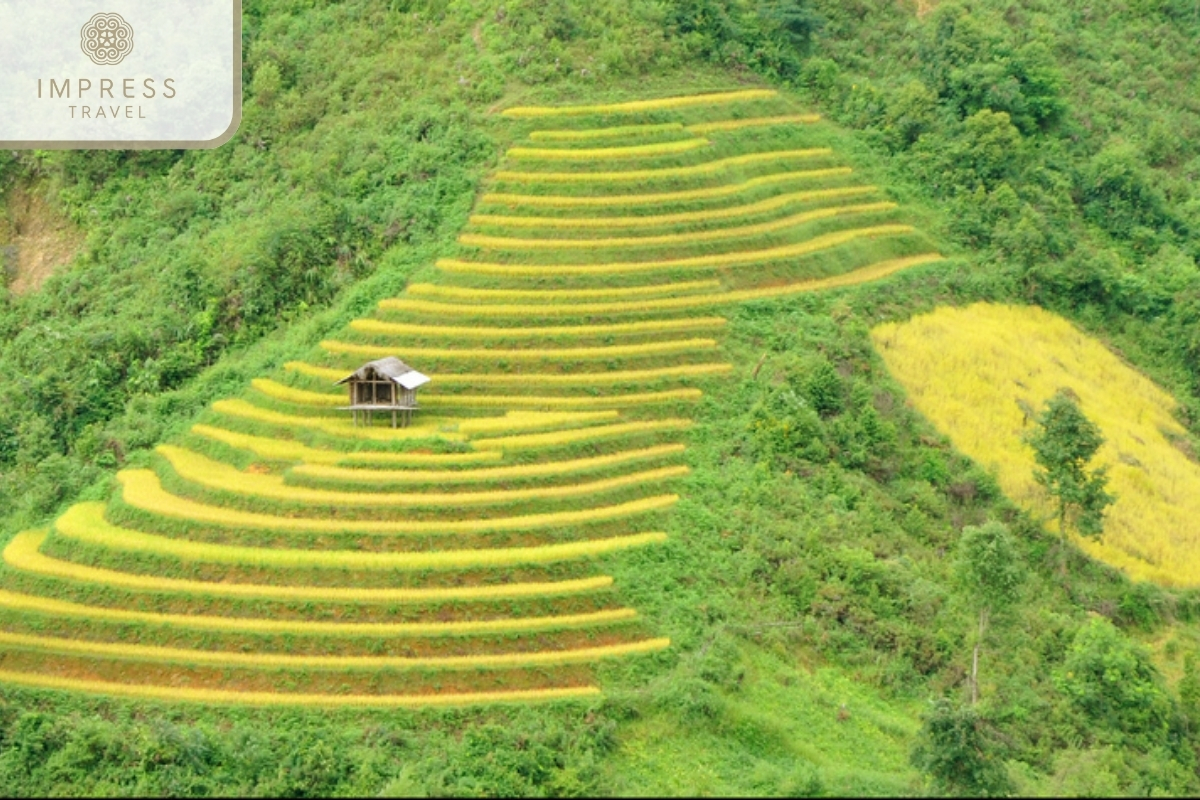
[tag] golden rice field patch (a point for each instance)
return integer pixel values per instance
(975, 373)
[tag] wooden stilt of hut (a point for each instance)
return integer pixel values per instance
(388, 385)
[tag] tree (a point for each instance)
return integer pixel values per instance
(824, 389)
(1121, 195)
(1114, 682)
(795, 20)
(952, 751)
(972, 64)
(989, 568)
(1063, 442)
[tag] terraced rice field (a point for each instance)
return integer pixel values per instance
(277, 554)
(976, 372)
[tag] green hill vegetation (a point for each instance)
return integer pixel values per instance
(663, 483)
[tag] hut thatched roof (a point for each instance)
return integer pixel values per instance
(392, 369)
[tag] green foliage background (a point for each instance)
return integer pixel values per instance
(1051, 146)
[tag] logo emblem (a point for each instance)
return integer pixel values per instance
(106, 39)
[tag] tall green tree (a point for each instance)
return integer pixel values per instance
(990, 570)
(954, 754)
(1064, 443)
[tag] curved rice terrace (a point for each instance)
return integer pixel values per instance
(279, 555)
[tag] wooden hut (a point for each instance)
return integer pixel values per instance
(384, 385)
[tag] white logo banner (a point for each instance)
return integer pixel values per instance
(119, 73)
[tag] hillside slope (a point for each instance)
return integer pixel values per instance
(806, 578)
(181, 589)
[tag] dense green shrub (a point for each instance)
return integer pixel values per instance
(973, 63)
(1111, 680)
(1120, 195)
(770, 36)
(954, 752)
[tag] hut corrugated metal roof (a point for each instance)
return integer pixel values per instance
(412, 379)
(391, 368)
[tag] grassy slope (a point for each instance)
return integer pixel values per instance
(743, 694)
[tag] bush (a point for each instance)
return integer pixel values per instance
(979, 153)
(770, 35)
(973, 66)
(1112, 681)
(956, 756)
(785, 427)
(1120, 195)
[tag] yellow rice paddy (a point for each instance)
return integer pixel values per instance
(22, 553)
(660, 173)
(137, 652)
(176, 694)
(966, 369)
(635, 106)
(656, 198)
(485, 332)
(142, 489)
(484, 295)
(752, 122)
(36, 604)
(867, 274)
(600, 153)
(816, 244)
(536, 470)
(335, 426)
(559, 438)
(211, 474)
(693, 237)
(533, 420)
(285, 450)
(608, 400)
(586, 378)
(85, 522)
(604, 133)
(288, 394)
(530, 354)
(681, 218)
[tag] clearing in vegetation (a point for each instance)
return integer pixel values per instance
(567, 341)
(982, 373)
